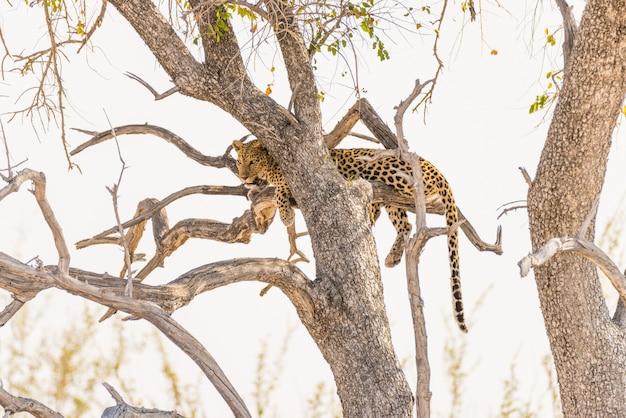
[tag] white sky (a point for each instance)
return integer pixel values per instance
(477, 132)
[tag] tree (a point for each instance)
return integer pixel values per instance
(587, 345)
(342, 308)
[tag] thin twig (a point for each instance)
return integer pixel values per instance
(59, 82)
(95, 26)
(526, 176)
(6, 153)
(114, 194)
(157, 96)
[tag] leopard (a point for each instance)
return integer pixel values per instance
(254, 164)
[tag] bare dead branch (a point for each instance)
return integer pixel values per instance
(580, 246)
(14, 404)
(413, 249)
(384, 193)
(569, 29)
(10, 310)
(403, 106)
(124, 410)
(141, 309)
(364, 111)
(240, 230)
(125, 243)
(255, 220)
(102, 238)
(510, 206)
(293, 248)
(22, 279)
(527, 178)
(11, 269)
(39, 181)
(218, 162)
(133, 237)
(157, 96)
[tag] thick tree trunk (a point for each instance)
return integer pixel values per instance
(589, 349)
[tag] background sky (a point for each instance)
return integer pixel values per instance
(477, 131)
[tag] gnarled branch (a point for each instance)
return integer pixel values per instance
(14, 404)
(145, 129)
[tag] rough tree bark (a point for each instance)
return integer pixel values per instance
(589, 349)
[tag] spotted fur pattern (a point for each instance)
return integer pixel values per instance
(254, 162)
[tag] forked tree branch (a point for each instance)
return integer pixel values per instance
(585, 248)
(414, 247)
(62, 279)
(10, 268)
(39, 182)
(362, 110)
(124, 410)
(157, 96)
(170, 137)
(158, 205)
(582, 247)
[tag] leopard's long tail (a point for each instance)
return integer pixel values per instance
(452, 218)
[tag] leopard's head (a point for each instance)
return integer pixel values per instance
(252, 161)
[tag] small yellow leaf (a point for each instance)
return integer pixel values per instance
(494, 52)
(546, 31)
(272, 69)
(624, 110)
(549, 86)
(268, 90)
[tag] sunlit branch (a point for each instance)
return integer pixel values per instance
(124, 410)
(11, 269)
(14, 404)
(581, 246)
(158, 205)
(39, 191)
(170, 137)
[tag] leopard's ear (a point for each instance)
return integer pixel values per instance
(237, 144)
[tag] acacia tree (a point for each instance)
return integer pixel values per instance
(343, 308)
